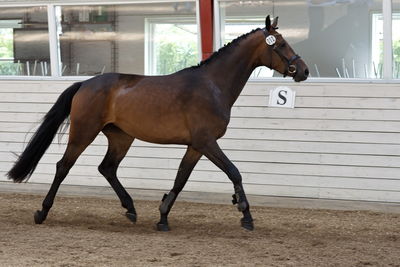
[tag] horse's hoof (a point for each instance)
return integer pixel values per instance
(162, 227)
(248, 225)
(131, 216)
(39, 217)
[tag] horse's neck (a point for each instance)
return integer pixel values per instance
(230, 71)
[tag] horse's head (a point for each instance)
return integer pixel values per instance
(278, 55)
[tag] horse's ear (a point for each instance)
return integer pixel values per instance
(267, 23)
(275, 23)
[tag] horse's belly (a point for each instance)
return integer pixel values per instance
(153, 113)
(157, 130)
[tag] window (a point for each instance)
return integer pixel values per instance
(94, 39)
(6, 49)
(334, 37)
(171, 46)
(236, 26)
(24, 41)
(396, 45)
(376, 47)
(396, 38)
(377, 43)
(337, 38)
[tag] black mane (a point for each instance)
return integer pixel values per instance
(225, 49)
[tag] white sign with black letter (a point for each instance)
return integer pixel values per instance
(282, 97)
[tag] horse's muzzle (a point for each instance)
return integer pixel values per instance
(300, 71)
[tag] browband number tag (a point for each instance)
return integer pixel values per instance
(270, 40)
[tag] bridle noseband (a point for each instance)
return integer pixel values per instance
(291, 68)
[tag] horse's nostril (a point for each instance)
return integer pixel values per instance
(306, 72)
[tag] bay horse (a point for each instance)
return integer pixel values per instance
(190, 107)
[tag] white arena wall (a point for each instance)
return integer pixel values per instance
(341, 141)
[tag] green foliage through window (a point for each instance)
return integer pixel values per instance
(6, 43)
(396, 59)
(7, 66)
(173, 57)
(175, 47)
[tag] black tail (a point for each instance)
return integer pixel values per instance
(41, 140)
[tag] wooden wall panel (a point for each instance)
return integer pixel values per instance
(341, 141)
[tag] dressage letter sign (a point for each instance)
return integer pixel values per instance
(282, 96)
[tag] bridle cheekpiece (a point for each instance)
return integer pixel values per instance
(270, 39)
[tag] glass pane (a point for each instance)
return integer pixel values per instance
(337, 39)
(396, 38)
(124, 38)
(24, 41)
(174, 46)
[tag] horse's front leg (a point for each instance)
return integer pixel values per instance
(188, 162)
(214, 153)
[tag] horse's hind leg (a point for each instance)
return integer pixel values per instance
(188, 162)
(118, 145)
(78, 141)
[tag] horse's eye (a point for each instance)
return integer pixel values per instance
(283, 44)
